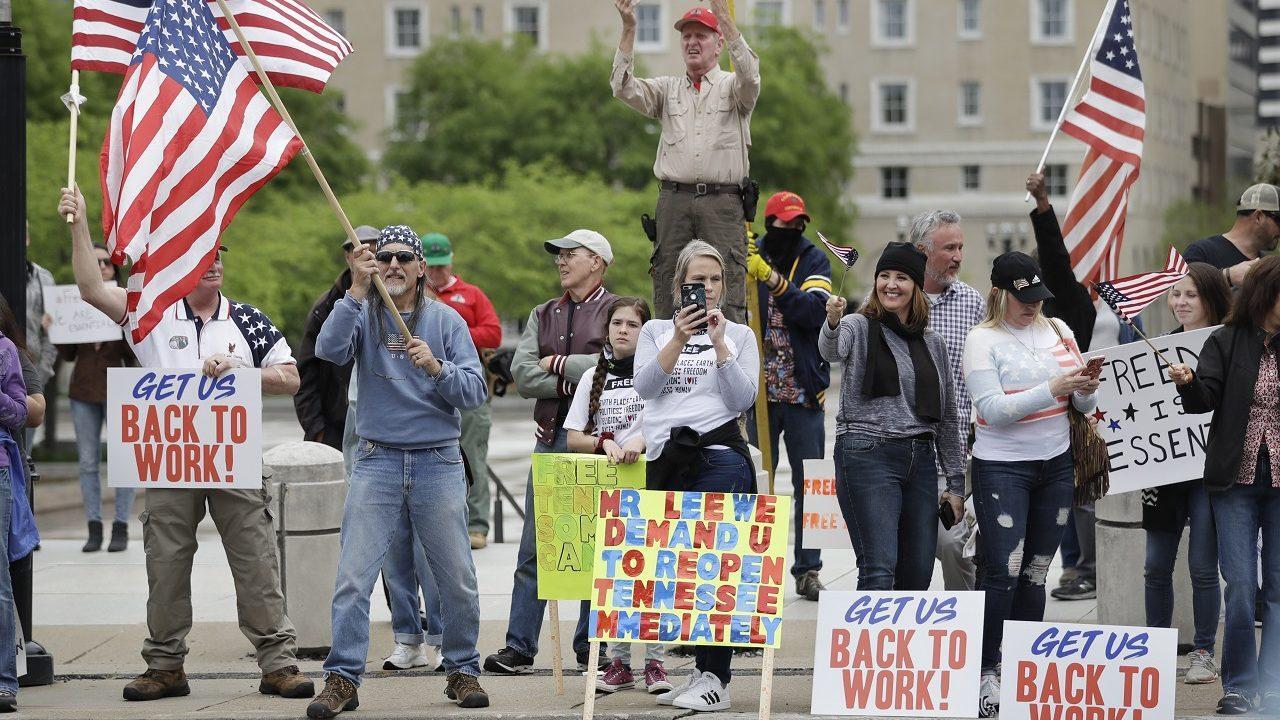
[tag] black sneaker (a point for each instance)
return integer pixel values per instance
(8, 702)
(602, 660)
(508, 662)
(1233, 703)
(808, 585)
(1081, 589)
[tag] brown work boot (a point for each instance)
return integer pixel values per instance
(287, 682)
(155, 684)
(339, 694)
(465, 690)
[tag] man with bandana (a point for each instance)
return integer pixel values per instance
(794, 279)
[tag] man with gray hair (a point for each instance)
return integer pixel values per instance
(954, 308)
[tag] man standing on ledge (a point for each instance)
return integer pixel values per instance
(702, 154)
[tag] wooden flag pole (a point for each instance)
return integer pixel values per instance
(557, 662)
(311, 161)
(74, 107)
(589, 684)
(766, 684)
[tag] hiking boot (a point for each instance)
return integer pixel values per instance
(94, 543)
(616, 677)
(1081, 589)
(465, 690)
(478, 540)
(1203, 669)
(508, 662)
(119, 537)
(8, 701)
(287, 682)
(339, 694)
(655, 678)
(155, 684)
(808, 585)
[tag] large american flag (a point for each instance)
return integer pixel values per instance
(1129, 296)
(190, 140)
(1111, 120)
(296, 47)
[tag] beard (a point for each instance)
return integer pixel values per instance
(943, 278)
(396, 288)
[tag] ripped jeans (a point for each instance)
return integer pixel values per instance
(1023, 508)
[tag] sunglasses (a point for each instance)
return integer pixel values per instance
(104, 263)
(403, 256)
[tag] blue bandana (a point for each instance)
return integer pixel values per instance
(402, 234)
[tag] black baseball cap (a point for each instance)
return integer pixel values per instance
(1019, 274)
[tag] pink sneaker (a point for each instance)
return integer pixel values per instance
(655, 678)
(616, 677)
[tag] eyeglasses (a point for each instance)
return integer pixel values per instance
(403, 256)
(565, 256)
(1275, 217)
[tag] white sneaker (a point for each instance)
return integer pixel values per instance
(435, 658)
(1203, 669)
(705, 695)
(405, 657)
(989, 696)
(668, 697)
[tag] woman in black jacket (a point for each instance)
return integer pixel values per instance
(1238, 380)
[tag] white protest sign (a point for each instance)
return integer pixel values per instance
(1060, 671)
(75, 321)
(179, 428)
(822, 521)
(891, 654)
(1150, 440)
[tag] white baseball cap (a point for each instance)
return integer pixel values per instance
(589, 239)
(1260, 197)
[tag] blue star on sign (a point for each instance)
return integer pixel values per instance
(1114, 425)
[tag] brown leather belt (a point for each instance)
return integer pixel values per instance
(700, 188)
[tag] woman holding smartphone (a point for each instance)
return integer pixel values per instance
(697, 373)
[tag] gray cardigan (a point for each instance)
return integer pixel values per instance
(893, 417)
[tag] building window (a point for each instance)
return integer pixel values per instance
(455, 21)
(769, 12)
(526, 22)
(1055, 180)
(649, 27)
(337, 20)
(528, 18)
(399, 123)
(970, 22)
(1242, 47)
(842, 15)
(1051, 21)
(892, 105)
(970, 102)
(972, 177)
(406, 28)
(891, 22)
(844, 93)
(1049, 97)
(819, 15)
(894, 183)
(477, 20)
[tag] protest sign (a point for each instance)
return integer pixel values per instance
(73, 320)
(1150, 439)
(1060, 671)
(691, 568)
(885, 654)
(566, 501)
(822, 521)
(180, 428)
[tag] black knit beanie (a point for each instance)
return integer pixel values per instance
(905, 258)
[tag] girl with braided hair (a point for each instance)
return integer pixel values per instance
(604, 418)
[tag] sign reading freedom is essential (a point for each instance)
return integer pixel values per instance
(75, 321)
(887, 653)
(822, 521)
(1059, 671)
(182, 429)
(689, 567)
(566, 501)
(1150, 440)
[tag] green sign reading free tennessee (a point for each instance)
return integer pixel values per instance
(566, 501)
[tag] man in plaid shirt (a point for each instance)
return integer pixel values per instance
(954, 308)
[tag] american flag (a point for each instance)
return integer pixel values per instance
(296, 47)
(190, 140)
(1111, 120)
(848, 256)
(1129, 296)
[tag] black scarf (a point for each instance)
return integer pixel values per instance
(623, 368)
(881, 376)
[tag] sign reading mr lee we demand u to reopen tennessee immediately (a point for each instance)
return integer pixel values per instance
(181, 429)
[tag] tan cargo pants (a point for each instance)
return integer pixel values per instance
(717, 219)
(243, 519)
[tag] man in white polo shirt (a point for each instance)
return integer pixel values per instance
(208, 331)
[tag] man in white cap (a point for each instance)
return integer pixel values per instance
(1256, 231)
(561, 340)
(702, 154)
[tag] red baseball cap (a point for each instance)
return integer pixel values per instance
(699, 15)
(786, 206)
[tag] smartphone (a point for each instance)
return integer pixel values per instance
(946, 515)
(1094, 367)
(694, 294)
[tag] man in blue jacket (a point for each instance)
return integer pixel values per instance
(407, 462)
(794, 280)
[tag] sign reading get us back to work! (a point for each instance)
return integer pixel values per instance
(822, 521)
(1059, 671)
(181, 429)
(890, 654)
(566, 501)
(1150, 440)
(690, 568)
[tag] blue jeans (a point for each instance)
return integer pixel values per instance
(405, 570)
(1239, 512)
(8, 628)
(804, 434)
(1202, 561)
(349, 439)
(388, 488)
(525, 621)
(1023, 507)
(888, 494)
(88, 417)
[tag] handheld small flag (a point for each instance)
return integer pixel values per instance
(1131, 295)
(848, 256)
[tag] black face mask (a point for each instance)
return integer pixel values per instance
(781, 241)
